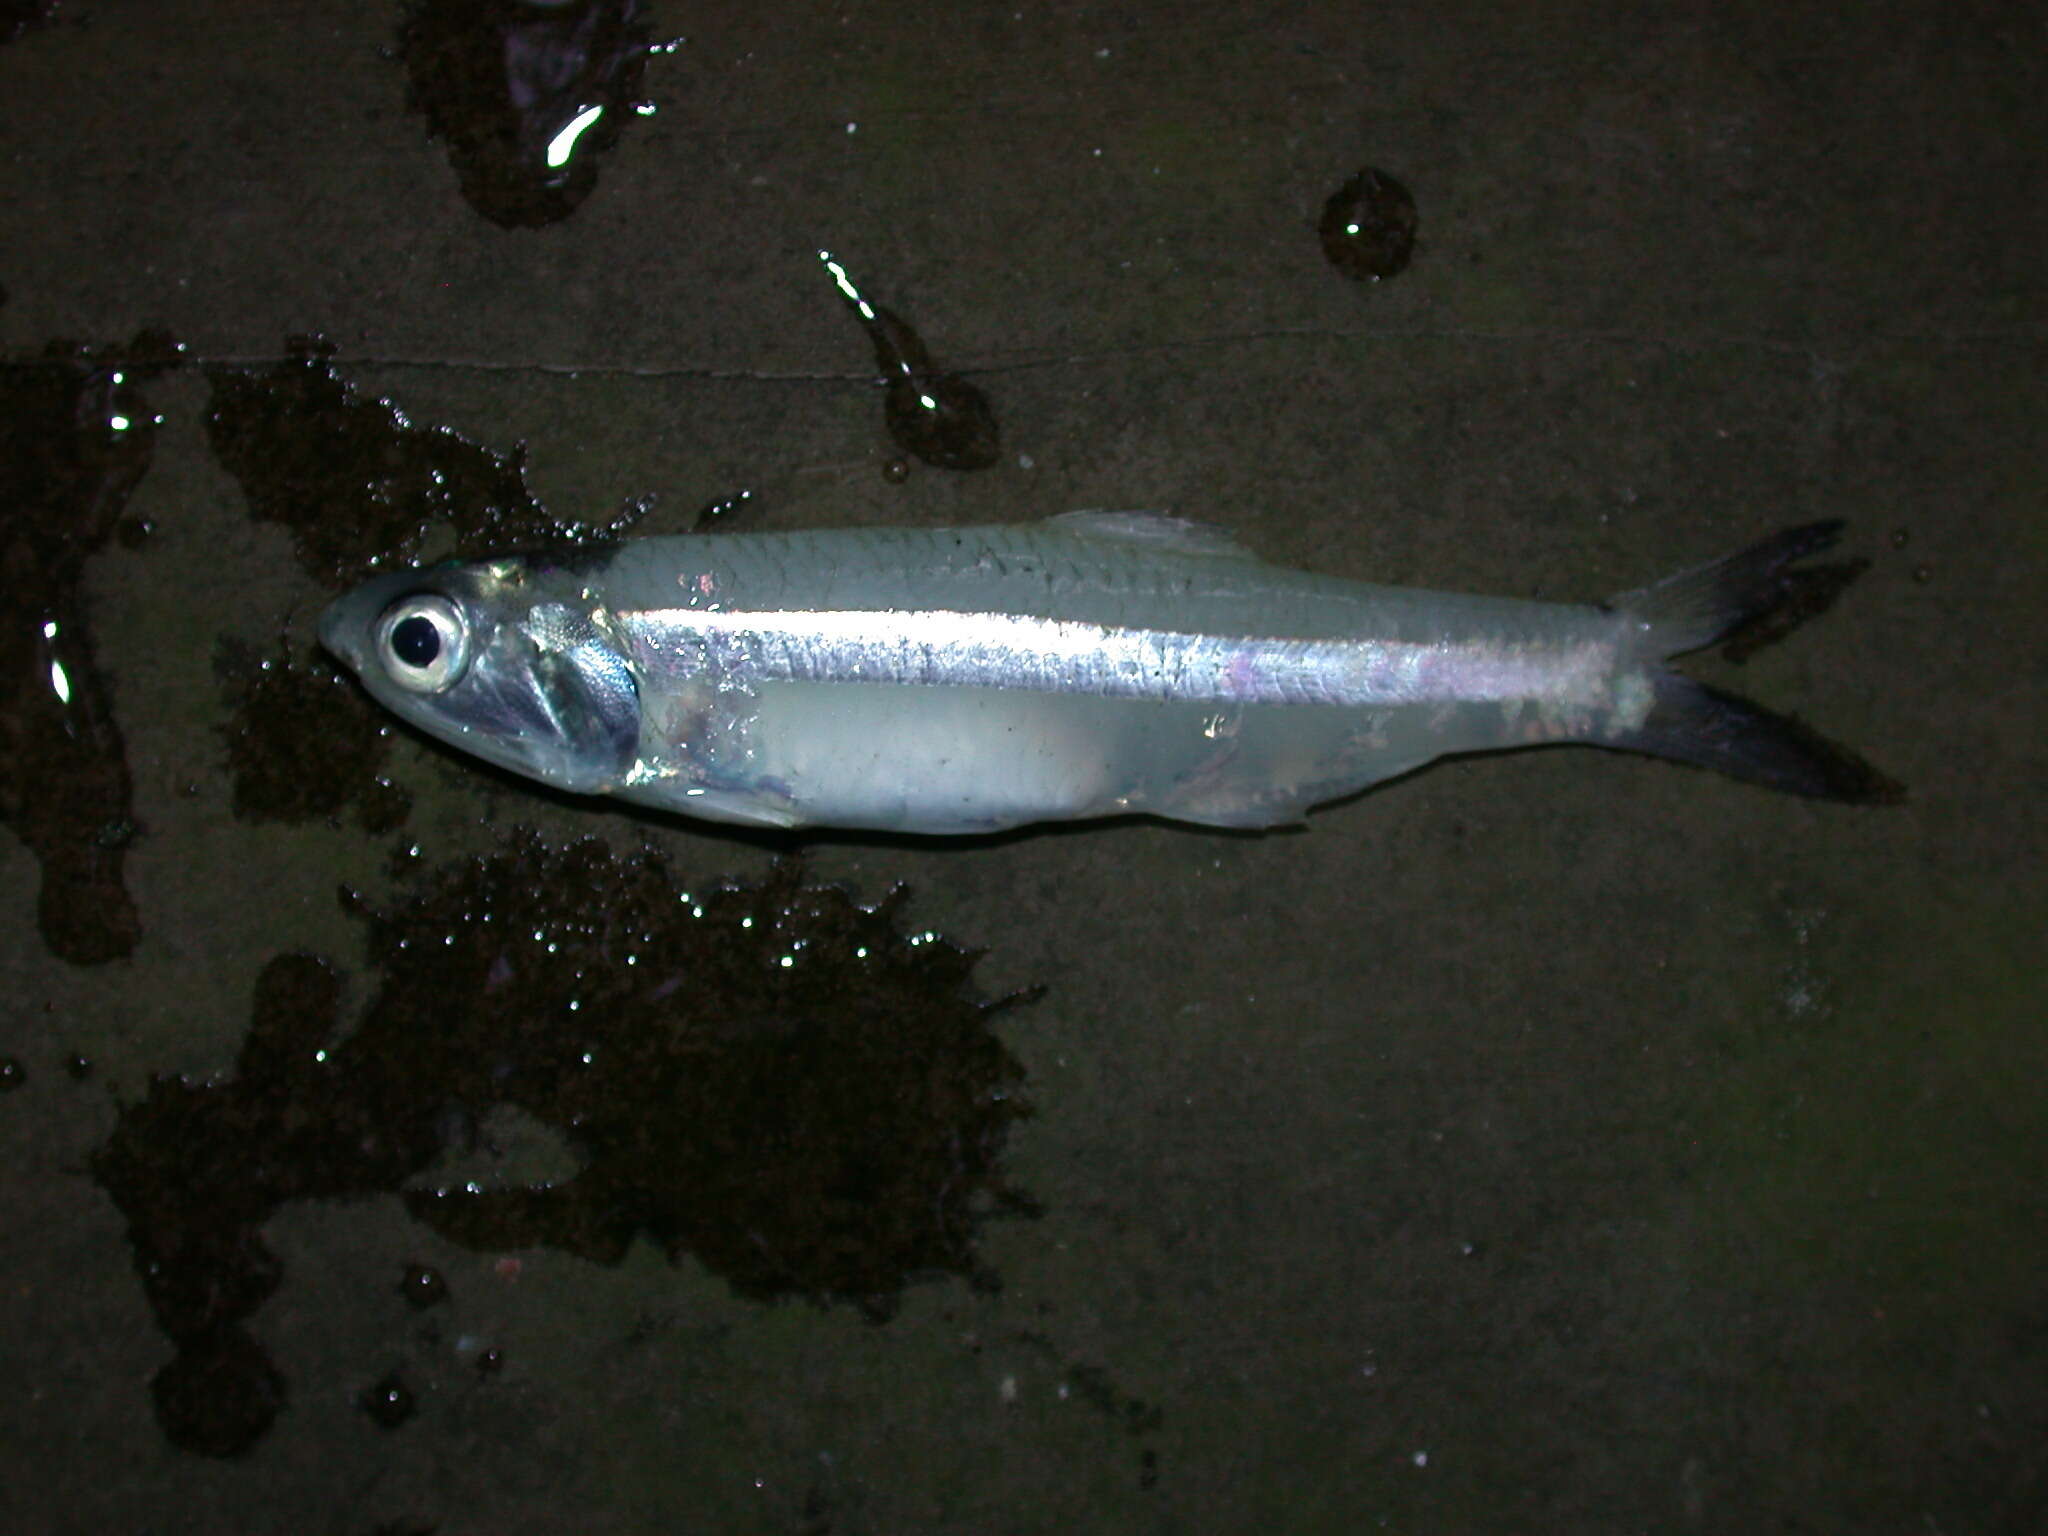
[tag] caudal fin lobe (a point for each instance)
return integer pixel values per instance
(1756, 597)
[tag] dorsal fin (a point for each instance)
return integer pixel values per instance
(1154, 530)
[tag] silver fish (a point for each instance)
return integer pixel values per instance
(961, 680)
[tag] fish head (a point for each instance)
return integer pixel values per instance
(499, 659)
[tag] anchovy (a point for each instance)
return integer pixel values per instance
(962, 680)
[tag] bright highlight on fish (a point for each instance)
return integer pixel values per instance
(961, 680)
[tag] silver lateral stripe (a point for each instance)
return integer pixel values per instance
(1018, 651)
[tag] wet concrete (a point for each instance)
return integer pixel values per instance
(1555, 1141)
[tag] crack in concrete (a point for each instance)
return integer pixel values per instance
(1821, 358)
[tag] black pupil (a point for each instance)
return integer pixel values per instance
(415, 641)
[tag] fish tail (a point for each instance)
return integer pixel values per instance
(1747, 600)
(1729, 598)
(1692, 723)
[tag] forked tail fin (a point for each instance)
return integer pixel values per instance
(1748, 599)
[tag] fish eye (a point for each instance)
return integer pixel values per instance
(423, 643)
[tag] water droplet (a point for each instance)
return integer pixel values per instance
(1368, 226)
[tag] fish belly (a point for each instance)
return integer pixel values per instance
(941, 759)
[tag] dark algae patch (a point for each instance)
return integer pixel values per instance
(76, 438)
(528, 98)
(1368, 227)
(939, 417)
(359, 484)
(774, 1080)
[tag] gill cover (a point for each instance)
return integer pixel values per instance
(475, 655)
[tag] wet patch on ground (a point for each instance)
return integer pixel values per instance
(359, 484)
(783, 1084)
(527, 98)
(18, 17)
(297, 745)
(939, 417)
(76, 437)
(1368, 227)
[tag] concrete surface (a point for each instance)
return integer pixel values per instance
(1549, 1142)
